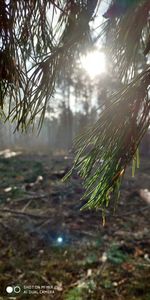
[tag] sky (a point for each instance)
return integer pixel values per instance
(94, 64)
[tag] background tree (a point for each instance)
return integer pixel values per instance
(40, 42)
(116, 135)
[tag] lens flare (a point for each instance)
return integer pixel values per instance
(94, 63)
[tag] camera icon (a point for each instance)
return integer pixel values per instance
(16, 289)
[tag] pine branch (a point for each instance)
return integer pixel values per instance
(104, 152)
(39, 40)
(127, 38)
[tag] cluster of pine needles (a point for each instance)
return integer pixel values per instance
(105, 151)
(39, 39)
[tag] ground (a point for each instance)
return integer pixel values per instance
(50, 249)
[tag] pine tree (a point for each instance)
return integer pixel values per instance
(115, 138)
(39, 40)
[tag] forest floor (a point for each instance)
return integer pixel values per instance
(50, 249)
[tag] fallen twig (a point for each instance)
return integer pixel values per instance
(27, 205)
(33, 197)
(132, 212)
(21, 213)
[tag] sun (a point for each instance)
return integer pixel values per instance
(94, 63)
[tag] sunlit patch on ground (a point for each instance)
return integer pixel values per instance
(7, 153)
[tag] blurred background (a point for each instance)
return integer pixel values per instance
(50, 249)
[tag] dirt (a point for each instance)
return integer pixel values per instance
(50, 249)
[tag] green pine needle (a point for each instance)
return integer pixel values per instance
(105, 151)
